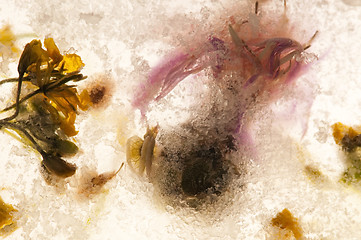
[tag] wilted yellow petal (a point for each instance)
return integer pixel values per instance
(60, 105)
(67, 125)
(84, 100)
(7, 37)
(51, 109)
(5, 214)
(340, 130)
(72, 63)
(65, 102)
(53, 50)
(63, 92)
(32, 53)
(353, 132)
(73, 99)
(285, 220)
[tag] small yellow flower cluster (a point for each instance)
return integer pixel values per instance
(340, 131)
(7, 43)
(6, 218)
(51, 70)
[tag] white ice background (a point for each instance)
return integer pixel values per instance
(123, 40)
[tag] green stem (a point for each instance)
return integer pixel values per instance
(242, 44)
(9, 80)
(21, 129)
(22, 100)
(17, 99)
(70, 77)
(46, 88)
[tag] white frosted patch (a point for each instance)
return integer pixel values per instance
(125, 40)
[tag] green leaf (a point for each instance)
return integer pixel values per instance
(65, 147)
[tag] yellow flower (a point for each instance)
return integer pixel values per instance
(340, 131)
(36, 60)
(72, 63)
(68, 63)
(66, 102)
(33, 54)
(53, 50)
(7, 40)
(50, 69)
(6, 211)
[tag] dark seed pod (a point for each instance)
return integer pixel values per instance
(194, 171)
(349, 144)
(97, 94)
(203, 172)
(56, 165)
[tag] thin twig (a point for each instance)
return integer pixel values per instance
(46, 88)
(22, 100)
(9, 80)
(69, 77)
(15, 114)
(308, 45)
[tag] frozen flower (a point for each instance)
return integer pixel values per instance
(140, 153)
(52, 105)
(66, 101)
(50, 71)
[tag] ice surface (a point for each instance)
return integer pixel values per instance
(123, 40)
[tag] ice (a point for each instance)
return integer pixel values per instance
(121, 41)
(352, 2)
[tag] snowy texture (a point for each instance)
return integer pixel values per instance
(293, 161)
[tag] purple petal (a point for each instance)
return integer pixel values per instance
(165, 77)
